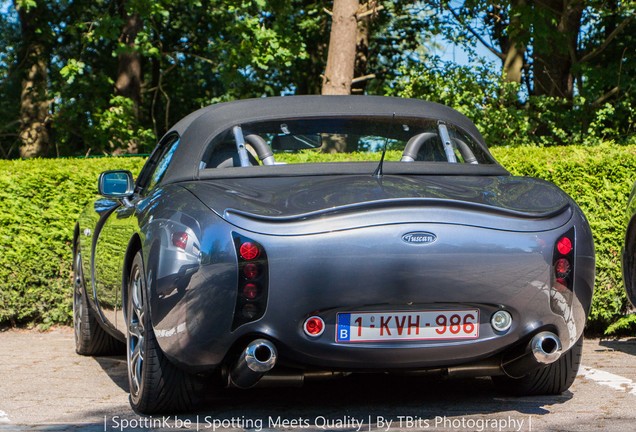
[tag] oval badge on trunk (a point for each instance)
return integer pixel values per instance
(419, 237)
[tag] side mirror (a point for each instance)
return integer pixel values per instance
(116, 184)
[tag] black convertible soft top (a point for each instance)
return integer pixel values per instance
(200, 127)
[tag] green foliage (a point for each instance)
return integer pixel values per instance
(118, 128)
(624, 325)
(40, 201)
(314, 156)
(478, 92)
(194, 53)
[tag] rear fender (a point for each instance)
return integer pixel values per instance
(133, 247)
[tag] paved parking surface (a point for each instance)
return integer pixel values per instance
(44, 385)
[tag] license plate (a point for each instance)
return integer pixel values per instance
(421, 325)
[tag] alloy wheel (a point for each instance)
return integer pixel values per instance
(136, 333)
(78, 301)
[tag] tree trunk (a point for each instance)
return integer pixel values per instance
(34, 101)
(513, 63)
(515, 50)
(510, 35)
(555, 54)
(128, 83)
(362, 49)
(341, 56)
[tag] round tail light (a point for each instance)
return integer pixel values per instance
(249, 251)
(564, 245)
(250, 271)
(562, 267)
(249, 311)
(314, 326)
(250, 291)
(561, 285)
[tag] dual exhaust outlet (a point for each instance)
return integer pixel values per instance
(544, 348)
(260, 355)
(258, 358)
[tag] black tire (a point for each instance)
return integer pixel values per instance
(90, 338)
(156, 385)
(552, 379)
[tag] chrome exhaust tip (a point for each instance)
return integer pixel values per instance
(256, 359)
(546, 347)
(260, 355)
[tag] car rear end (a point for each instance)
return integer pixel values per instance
(377, 242)
(395, 285)
(371, 297)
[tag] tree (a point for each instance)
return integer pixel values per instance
(107, 76)
(341, 56)
(34, 58)
(10, 86)
(606, 69)
(128, 82)
(551, 30)
(557, 25)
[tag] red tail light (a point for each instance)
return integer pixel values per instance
(180, 239)
(250, 271)
(249, 251)
(250, 291)
(562, 267)
(253, 279)
(563, 263)
(564, 246)
(314, 326)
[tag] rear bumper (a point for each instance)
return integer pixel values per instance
(325, 353)
(355, 271)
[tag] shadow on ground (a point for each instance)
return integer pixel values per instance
(627, 346)
(421, 403)
(115, 368)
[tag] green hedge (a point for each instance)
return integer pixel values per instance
(39, 204)
(41, 199)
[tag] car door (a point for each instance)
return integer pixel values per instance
(118, 227)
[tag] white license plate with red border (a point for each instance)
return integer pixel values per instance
(413, 325)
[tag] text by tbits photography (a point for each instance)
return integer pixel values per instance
(321, 423)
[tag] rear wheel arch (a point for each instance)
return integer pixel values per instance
(90, 337)
(156, 385)
(134, 246)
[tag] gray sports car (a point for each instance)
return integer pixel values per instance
(286, 239)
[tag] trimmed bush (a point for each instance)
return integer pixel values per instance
(41, 199)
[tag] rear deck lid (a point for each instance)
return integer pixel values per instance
(315, 204)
